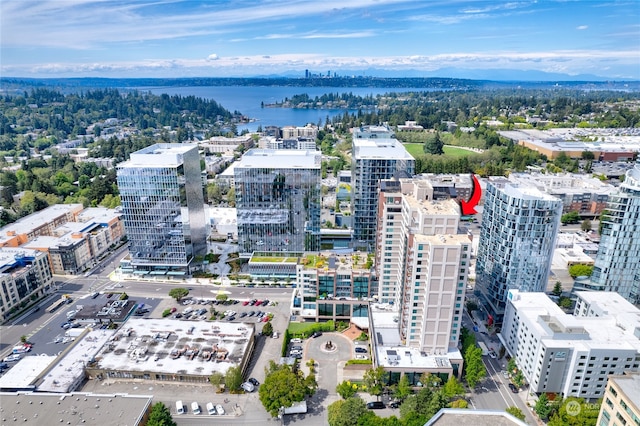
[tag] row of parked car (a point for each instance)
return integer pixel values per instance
(195, 408)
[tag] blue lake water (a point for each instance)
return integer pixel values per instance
(247, 100)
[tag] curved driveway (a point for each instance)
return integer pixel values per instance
(328, 373)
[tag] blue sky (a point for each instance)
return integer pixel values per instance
(185, 38)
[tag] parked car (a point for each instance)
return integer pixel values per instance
(296, 347)
(243, 314)
(211, 409)
(360, 350)
(493, 355)
(296, 340)
(361, 356)
(394, 404)
(248, 387)
(254, 382)
(220, 410)
(316, 334)
(13, 358)
(295, 352)
(375, 405)
(513, 388)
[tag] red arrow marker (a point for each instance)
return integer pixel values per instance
(468, 207)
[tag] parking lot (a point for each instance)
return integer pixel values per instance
(246, 405)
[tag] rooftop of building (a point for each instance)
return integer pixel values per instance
(564, 183)
(608, 301)
(629, 383)
(279, 159)
(24, 374)
(46, 242)
(380, 149)
(435, 208)
(168, 346)
(525, 191)
(66, 372)
(328, 260)
(557, 328)
(158, 156)
(608, 140)
(10, 258)
(390, 352)
(457, 417)
(45, 409)
(28, 224)
(98, 215)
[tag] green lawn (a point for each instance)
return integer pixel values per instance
(297, 328)
(415, 149)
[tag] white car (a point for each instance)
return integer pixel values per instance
(13, 358)
(493, 355)
(295, 352)
(296, 340)
(361, 356)
(220, 410)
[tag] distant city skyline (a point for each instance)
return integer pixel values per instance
(188, 38)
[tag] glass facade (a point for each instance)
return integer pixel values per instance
(162, 200)
(617, 265)
(278, 200)
(517, 238)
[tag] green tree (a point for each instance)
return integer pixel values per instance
(403, 389)
(518, 379)
(221, 297)
(542, 407)
(160, 416)
(557, 289)
(178, 293)
(283, 386)
(434, 145)
(571, 217)
(233, 378)
(416, 407)
(430, 380)
(267, 329)
(346, 412)
(564, 302)
(346, 389)
(453, 388)
(515, 412)
(216, 379)
(586, 225)
(459, 403)
(372, 379)
(474, 368)
(580, 270)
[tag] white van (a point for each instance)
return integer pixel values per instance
(248, 387)
(187, 311)
(179, 407)
(211, 409)
(195, 408)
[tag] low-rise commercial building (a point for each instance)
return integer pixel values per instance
(45, 409)
(571, 354)
(173, 350)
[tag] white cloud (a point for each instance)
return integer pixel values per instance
(582, 27)
(212, 57)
